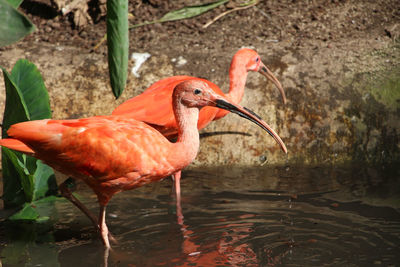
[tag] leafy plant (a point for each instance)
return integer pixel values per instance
(13, 24)
(184, 13)
(26, 180)
(118, 36)
(118, 44)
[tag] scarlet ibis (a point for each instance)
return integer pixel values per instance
(113, 153)
(154, 106)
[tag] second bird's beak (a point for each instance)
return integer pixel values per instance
(267, 73)
(251, 116)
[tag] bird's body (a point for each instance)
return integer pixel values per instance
(100, 151)
(113, 154)
(154, 107)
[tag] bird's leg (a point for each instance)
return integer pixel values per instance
(179, 214)
(66, 189)
(103, 226)
(177, 185)
(105, 257)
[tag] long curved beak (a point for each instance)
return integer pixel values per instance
(267, 73)
(251, 116)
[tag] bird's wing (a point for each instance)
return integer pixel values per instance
(154, 105)
(101, 147)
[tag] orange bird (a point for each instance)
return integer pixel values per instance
(154, 107)
(113, 154)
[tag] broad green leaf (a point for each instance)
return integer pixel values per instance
(15, 107)
(15, 111)
(15, 3)
(118, 44)
(29, 163)
(44, 181)
(39, 210)
(13, 195)
(45, 207)
(26, 98)
(28, 79)
(191, 11)
(28, 212)
(28, 186)
(185, 13)
(39, 180)
(13, 24)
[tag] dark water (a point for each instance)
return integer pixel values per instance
(275, 216)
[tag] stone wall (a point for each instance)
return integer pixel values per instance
(343, 105)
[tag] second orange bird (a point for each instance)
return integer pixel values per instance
(154, 106)
(113, 154)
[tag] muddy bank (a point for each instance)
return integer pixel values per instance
(339, 65)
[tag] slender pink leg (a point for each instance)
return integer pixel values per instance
(179, 213)
(177, 185)
(103, 226)
(105, 257)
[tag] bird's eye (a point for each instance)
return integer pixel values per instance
(257, 59)
(197, 91)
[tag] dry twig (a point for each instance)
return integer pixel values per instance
(229, 11)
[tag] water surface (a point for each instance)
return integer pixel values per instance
(272, 216)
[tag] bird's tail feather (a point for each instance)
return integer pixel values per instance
(16, 145)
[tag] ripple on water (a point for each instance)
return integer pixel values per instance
(273, 230)
(243, 218)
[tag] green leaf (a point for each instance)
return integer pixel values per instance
(27, 183)
(28, 212)
(13, 195)
(45, 207)
(191, 11)
(38, 210)
(28, 79)
(118, 44)
(15, 111)
(13, 24)
(44, 181)
(24, 177)
(39, 180)
(185, 13)
(15, 107)
(15, 3)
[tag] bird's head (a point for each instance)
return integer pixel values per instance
(252, 61)
(196, 93)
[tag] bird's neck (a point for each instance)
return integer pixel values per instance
(187, 145)
(237, 81)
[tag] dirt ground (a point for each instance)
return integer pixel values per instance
(315, 48)
(295, 24)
